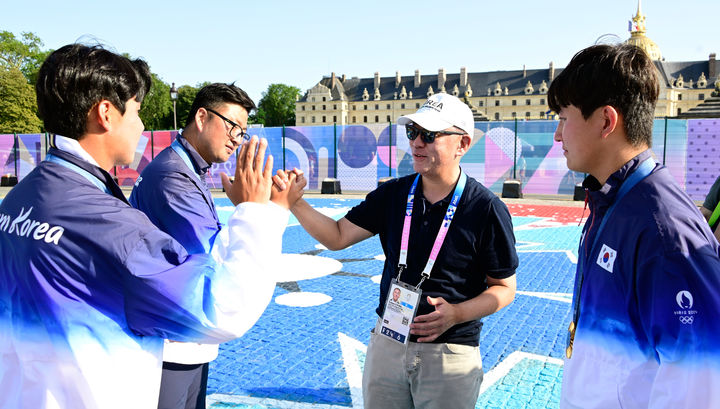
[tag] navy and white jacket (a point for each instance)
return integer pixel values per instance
(172, 192)
(649, 325)
(89, 288)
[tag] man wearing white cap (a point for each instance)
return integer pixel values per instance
(449, 246)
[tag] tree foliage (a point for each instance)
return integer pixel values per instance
(277, 106)
(18, 106)
(25, 54)
(156, 111)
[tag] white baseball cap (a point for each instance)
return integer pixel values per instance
(442, 111)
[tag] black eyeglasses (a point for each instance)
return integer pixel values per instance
(427, 136)
(235, 134)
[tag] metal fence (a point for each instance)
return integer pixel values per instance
(358, 155)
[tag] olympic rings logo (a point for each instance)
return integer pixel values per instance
(687, 319)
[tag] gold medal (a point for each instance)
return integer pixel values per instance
(569, 349)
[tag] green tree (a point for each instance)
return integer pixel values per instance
(18, 105)
(186, 96)
(23, 54)
(277, 106)
(156, 111)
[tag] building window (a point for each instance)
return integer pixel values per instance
(313, 99)
(334, 118)
(679, 111)
(542, 114)
(497, 102)
(313, 119)
(377, 119)
(417, 106)
(365, 107)
(324, 119)
(514, 102)
(323, 99)
(679, 97)
(701, 97)
(323, 107)
(354, 107)
(481, 103)
(302, 108)
(388, 106)
(527, 115)
(302, 119)
(365, 119)
(377, 107)
(354, 120)
(542, 101)
(514, 114)
(497, 116)
(334, 106)
(527, 102)
(313, 107)
(402, 106)
(388, 119)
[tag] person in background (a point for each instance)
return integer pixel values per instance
(173, 193)
(710, 209)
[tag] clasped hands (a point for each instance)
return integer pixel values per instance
(254, 182)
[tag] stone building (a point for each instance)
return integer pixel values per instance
(493, 95)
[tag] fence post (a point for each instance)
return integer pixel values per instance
(515, 154)
(390, 150)
(282, 139)
(16, 154)
(665, 140)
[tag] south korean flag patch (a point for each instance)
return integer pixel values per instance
(606, 258)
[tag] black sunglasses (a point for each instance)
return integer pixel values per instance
(239, 134)
(427, 136)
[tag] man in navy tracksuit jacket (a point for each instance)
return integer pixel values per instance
(173, 193)
(646, 304)
(89, 287)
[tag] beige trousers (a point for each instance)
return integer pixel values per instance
(421, 375)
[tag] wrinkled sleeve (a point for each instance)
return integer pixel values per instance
(679, 306)
(209, 298)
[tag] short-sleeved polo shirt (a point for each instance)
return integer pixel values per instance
(479, 243)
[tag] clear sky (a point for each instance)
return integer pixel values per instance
(298, 42)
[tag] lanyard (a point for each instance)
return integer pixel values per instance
(639, 174)
(178, 148)
(449, 214)
(95, 181)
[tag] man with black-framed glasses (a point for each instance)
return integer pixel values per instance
(449, 246)
(173, 192)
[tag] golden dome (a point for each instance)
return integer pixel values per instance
(638, 38)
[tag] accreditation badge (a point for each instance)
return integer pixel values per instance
(400, 308)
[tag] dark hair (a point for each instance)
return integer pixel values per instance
(213, 95)
(621, 76)
(76, 77)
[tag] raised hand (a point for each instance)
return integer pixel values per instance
(252, 182)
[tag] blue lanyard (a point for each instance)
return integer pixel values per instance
(639, 174)
(95, 181)
(180, 150)
(439, 239)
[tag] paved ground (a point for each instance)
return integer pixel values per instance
(308, 349)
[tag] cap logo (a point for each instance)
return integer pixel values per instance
(437, 106)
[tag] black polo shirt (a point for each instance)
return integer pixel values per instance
(479, 243)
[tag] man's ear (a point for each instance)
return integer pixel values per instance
(610, 118)
(100, 116)
(201, 117)
(465, 142)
